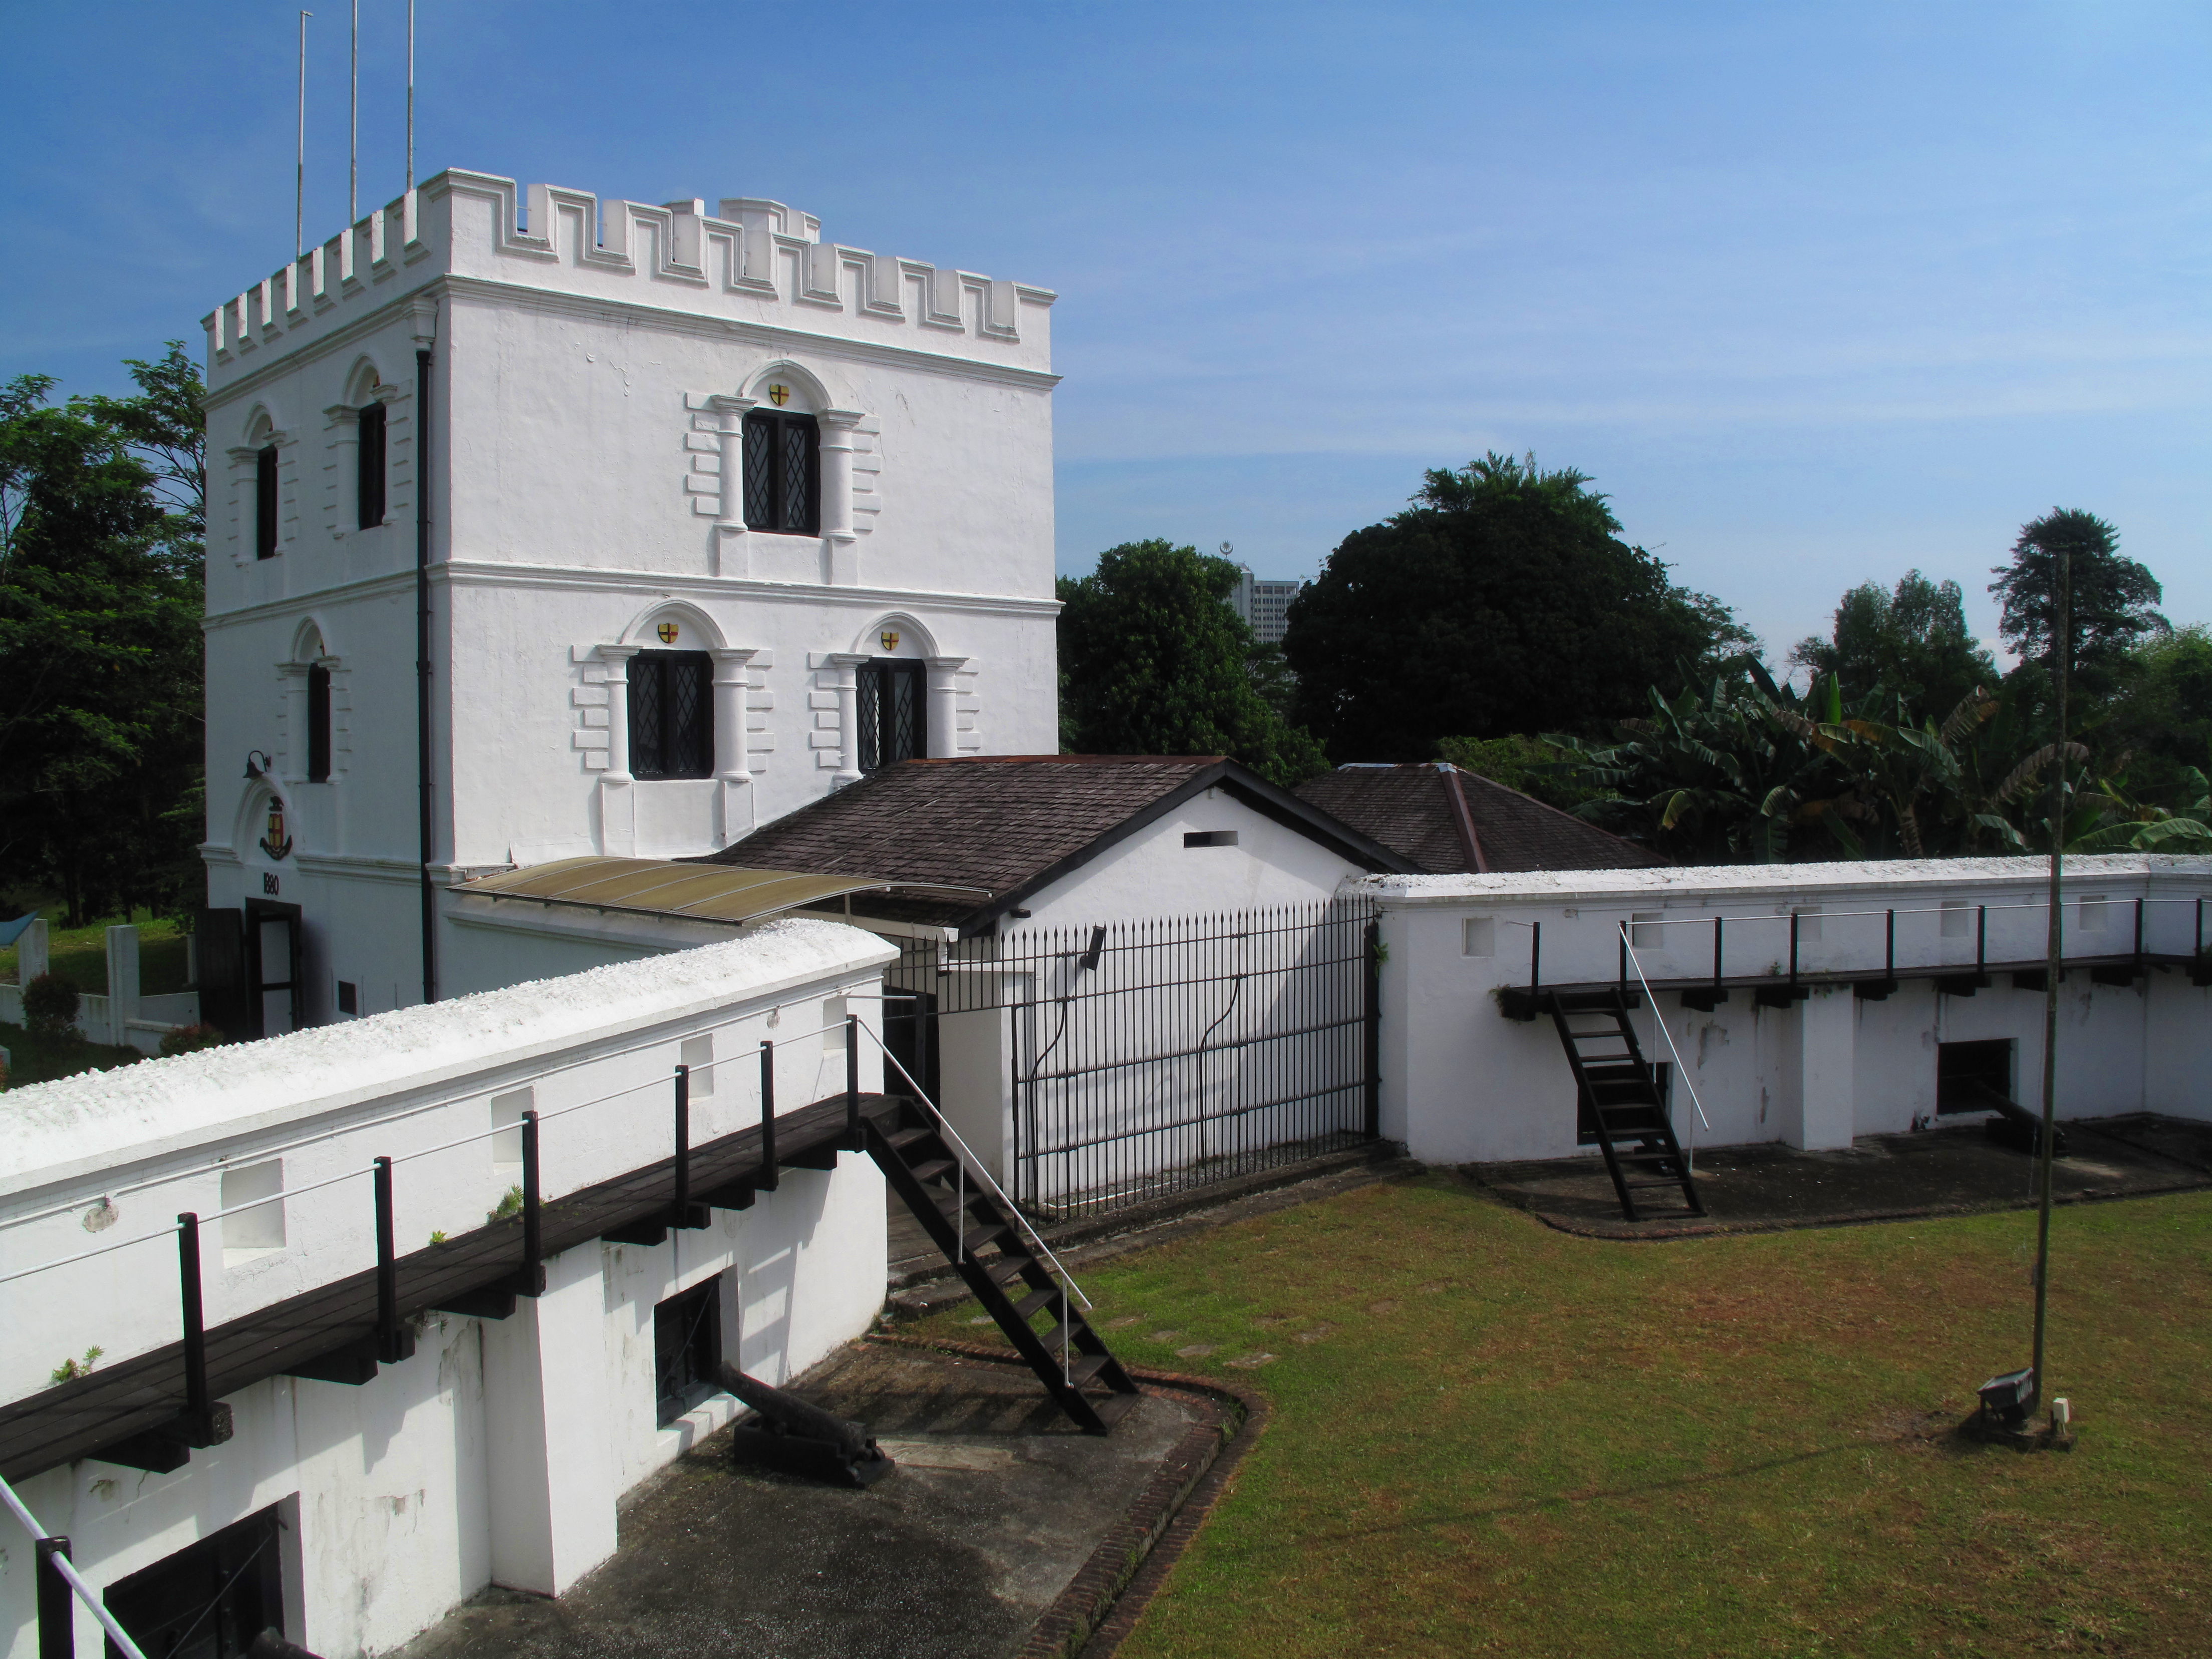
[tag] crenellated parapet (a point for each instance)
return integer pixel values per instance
(750, 262)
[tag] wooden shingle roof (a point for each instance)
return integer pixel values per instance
(1010, 824)
(1447, 821)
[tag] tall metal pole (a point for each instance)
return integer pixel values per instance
(410, 95)
(300, 178)
(353, 128)
(2063, 647)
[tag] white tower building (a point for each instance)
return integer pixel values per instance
(719, 516)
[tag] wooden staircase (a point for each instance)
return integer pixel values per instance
(988, 1247)
(1618, 1084)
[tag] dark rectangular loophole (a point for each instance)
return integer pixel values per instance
(687, 1349)
(1968, 1073)
(1209, 838)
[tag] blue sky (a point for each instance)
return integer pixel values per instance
(1817, 293)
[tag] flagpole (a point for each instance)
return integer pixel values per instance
(410, 95)
(353, 127)
(2062, 648)
(300, 178)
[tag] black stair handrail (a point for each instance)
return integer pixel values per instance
(963, 1155)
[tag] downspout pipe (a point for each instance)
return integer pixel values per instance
(426, 324)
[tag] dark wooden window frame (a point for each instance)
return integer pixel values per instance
(265, 502)
(218, 1593)
(687, 1349)
(783, 473)
(319, 724)
(369, 468)
(672, 714)
(876, 693)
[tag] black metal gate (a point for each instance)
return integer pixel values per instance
(1153, 1057)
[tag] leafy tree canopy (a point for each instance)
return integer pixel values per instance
(1913, 642)
(2109, 604)
(1501, 600)
(101, 516)
(1155, 660)
(2158, 726)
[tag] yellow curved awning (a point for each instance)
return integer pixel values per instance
(662, 887)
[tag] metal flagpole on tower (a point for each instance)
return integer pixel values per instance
(353, 127)
(300, 180)
(410, 95)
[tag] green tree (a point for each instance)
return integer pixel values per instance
(2110, 605)
(2158, 724)
(1913, 642)
(101, 518)
(1519, 762)
(1155, 660)
(1501, 600)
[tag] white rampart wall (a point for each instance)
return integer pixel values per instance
(1462, 1083)
(497, 1452)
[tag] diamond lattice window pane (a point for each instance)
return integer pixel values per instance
(760, 476)
(645, 713)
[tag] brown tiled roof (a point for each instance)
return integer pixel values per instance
(1004, 823)
(1446, 820)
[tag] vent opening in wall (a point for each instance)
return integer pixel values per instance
(687, 1349)
(1209, 838)
(253, 1203)
(349, 997)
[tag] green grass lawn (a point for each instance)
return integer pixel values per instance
(1488, 1437)
(79, 955)
(33, 1059)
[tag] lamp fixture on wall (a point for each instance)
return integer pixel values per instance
(253, 771)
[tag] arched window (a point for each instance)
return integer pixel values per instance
(368, 468)
(672, 714)
(893, 711)
(265, 502)
(783, 473)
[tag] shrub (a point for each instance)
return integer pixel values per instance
(190, 1039)
(49, 1004)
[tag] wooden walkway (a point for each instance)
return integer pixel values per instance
(332, 1331)
(1524, 1002)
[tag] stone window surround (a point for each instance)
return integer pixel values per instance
(836, 736)
(740, 700)
(849, 447)
(343, 423)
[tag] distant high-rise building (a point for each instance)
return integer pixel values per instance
(1265, 605)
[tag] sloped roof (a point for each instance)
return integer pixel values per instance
(1448, 821)
(1010, 824)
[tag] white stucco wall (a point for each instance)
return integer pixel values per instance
(414, 1490)
(1461, 1082)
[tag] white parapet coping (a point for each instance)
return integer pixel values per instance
(55, 1134)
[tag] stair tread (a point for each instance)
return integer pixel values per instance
(1036, 1301)
(934, 1167)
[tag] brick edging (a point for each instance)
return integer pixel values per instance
(1102, 1603)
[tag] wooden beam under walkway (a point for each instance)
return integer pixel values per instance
(132, 1411)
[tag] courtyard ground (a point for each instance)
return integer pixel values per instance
(984, 1543)
(1490, 1436)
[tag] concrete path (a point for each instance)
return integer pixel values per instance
(996, 1505)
